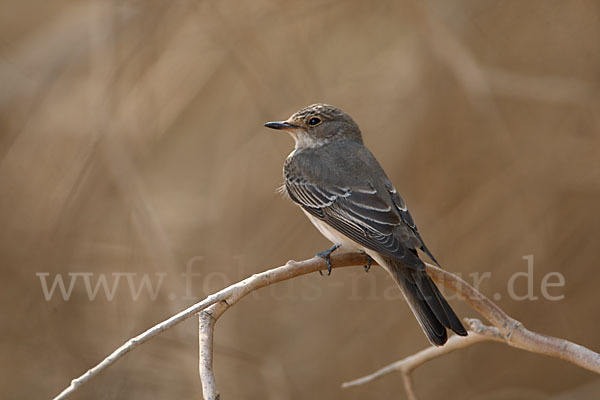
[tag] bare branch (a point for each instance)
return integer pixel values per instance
(206, 325)
(477, 333)
(231, 293)
(514, 332)
(505, 329)
(408, 386)
(209, 317)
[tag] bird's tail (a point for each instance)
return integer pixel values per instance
(427, 303)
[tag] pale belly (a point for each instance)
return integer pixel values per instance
(334, 236)
(346, 243)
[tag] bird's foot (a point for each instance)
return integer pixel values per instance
(369, 262)
(326, 255)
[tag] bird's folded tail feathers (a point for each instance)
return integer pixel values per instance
(427, 303)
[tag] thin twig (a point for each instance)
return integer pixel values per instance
(232, 293)
(206, 324)
(506, 329)
(408, 386)
(477, 333)
(514, 332)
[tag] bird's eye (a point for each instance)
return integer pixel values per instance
(314, 121)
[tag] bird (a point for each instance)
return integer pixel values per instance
(343, 190)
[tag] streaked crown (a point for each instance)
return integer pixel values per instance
(319, 124)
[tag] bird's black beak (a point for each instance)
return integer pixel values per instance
(280, 125)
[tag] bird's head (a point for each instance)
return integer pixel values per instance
(319, 124)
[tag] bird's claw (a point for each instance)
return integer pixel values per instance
(369, 262)
(326, 255)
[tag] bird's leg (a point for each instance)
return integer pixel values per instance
(369, 262)
(326, 255)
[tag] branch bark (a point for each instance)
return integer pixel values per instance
(514, 332)
(478, 332)
(505, 329)
(231, 293)
(206, 326)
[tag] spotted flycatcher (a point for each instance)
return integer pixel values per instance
(345, 193)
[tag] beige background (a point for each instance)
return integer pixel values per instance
(131, 140)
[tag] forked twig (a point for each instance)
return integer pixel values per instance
(232, 294)
(504, 329)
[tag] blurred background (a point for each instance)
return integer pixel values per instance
(132, 145)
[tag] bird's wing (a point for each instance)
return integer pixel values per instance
(407, 219)
(378, 220)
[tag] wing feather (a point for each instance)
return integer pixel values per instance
(362, 214)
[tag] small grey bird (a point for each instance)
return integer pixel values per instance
(345, 193)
